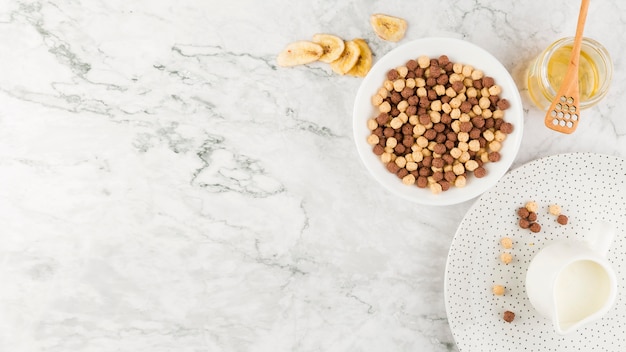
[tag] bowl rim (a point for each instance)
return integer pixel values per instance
(470, 54)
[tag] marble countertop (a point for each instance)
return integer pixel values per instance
(165, 186)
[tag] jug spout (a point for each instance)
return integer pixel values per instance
(565, 328)
(601, 237)
(564, 325)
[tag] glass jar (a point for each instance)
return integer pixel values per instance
(547, 71)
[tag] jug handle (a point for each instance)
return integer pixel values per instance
(604, 234)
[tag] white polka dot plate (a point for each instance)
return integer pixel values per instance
(589, 188)
(458, 51)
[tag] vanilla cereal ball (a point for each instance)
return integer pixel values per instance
(498, 114)
(372, 124)
(400, 161)
(398, 85)
(458, 169)
(402, 70)
(532, 206)
(372, 139)
(495, 146)
(554, 209)
(460, 181)
(384, 107)
(471, 165)
(467, 70)
(497, 290)
(489, 135)
(395, 123)
(408, 179)
(500, 136)
(435, 188)
(477, 74)
(506, 258)
(457, 67)
(377, 99)
(423, 61)
(506, 242)
(474, 145)
(495, 90)
(465, 156)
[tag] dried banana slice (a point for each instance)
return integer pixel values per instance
(348, 58)
(364, 63)
(299, 53)
(333, 46)
(388, 27)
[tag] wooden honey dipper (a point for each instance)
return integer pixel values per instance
(564, 112)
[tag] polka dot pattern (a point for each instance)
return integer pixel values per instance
(589, 188)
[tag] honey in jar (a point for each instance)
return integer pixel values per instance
(548, 70)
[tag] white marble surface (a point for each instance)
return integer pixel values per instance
(164, 186)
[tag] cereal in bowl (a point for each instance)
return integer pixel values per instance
(437, 123)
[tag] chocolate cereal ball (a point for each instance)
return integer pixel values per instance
(523, 223)
(535, 227)
(508, 316)
(523, 213)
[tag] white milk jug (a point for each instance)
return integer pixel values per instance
(571, 282)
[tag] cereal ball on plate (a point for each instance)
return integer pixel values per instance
(523, 223)
(508, 316)
(554, 209)
(532, 206)
(506, 242)
(497, 290)
(506, 258)
(523, 213)
(535, 227)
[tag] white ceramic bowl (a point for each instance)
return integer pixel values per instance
(458, 51)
